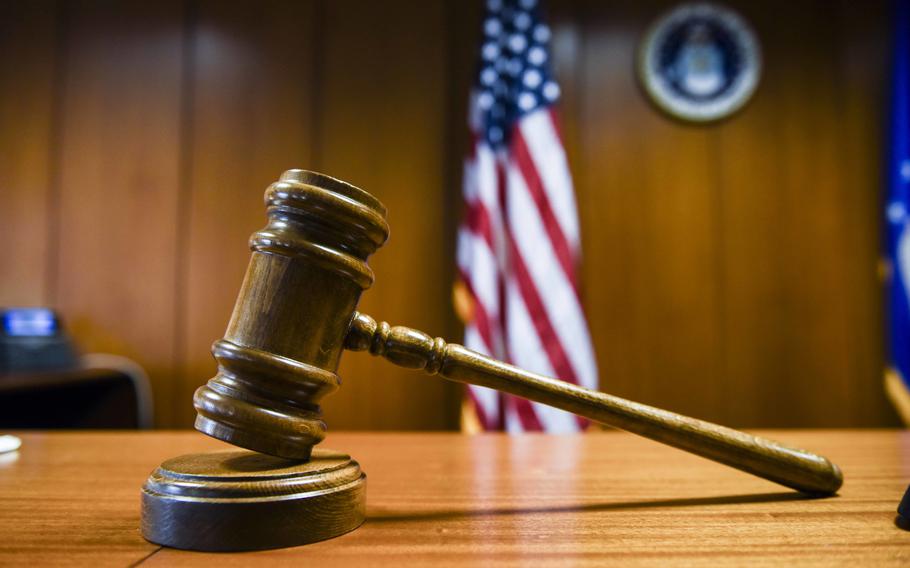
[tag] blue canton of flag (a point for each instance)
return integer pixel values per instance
(514, 77)
(897, 378)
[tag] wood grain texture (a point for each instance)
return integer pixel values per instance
(448, 500)
(28, 71)
(798, 259)
(252, 118)
(649, 206)
(866, 58)
(804, 292)
(382, 119)
(239, 500)
(119, 182)
(729, 271)
(282, 347)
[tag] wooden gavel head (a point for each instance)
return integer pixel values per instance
(281, 350)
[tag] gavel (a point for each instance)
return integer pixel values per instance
(296, 313)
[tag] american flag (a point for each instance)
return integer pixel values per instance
(518, 245)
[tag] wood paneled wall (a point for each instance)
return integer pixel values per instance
(730, 271)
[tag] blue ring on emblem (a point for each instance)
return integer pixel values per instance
(699, 62)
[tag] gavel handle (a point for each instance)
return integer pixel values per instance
(406, 347)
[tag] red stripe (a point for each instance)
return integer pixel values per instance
(526, 413)
(503, 270)
(554, 118)
(548, 337)
(481, 320)
(562, 368)
(528, 416)
(522, 407)
(477, 220)
(525, 163)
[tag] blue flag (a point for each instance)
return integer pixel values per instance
(897, 378)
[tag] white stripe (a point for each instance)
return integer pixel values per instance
(477, 261)
(481, 266)
(487, 399)
(464, 250)
(549, 159)
(512, 420)
(474, 341)
(469, 180)
(528, 353)
(479, 181)
(556, 292)
(487, 190)
(488, 402)
(484, 280)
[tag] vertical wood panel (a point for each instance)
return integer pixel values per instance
(768, 319)
(251, 119)
(648, 213)
(119, 183)
(728, 270)
(383, 115)
(28, 32)
(863, 82)
(463, 34)
(800, 227)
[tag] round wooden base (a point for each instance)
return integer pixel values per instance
(242, 500)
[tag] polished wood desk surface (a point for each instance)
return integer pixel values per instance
(448, 499)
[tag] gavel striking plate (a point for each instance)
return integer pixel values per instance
(295, 314)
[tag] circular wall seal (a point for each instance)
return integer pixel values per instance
(699, 62)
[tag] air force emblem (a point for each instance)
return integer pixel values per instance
(699, 62)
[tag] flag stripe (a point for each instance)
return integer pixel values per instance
(481, 319)
(548, 338)
(479, 222)
(518, 244)
(527, 352)
(538, 194)
(557, 129)
(480, 407)
(560, 306)
(512, 418)
(549, 157)
(485, 400)
(529, 419)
